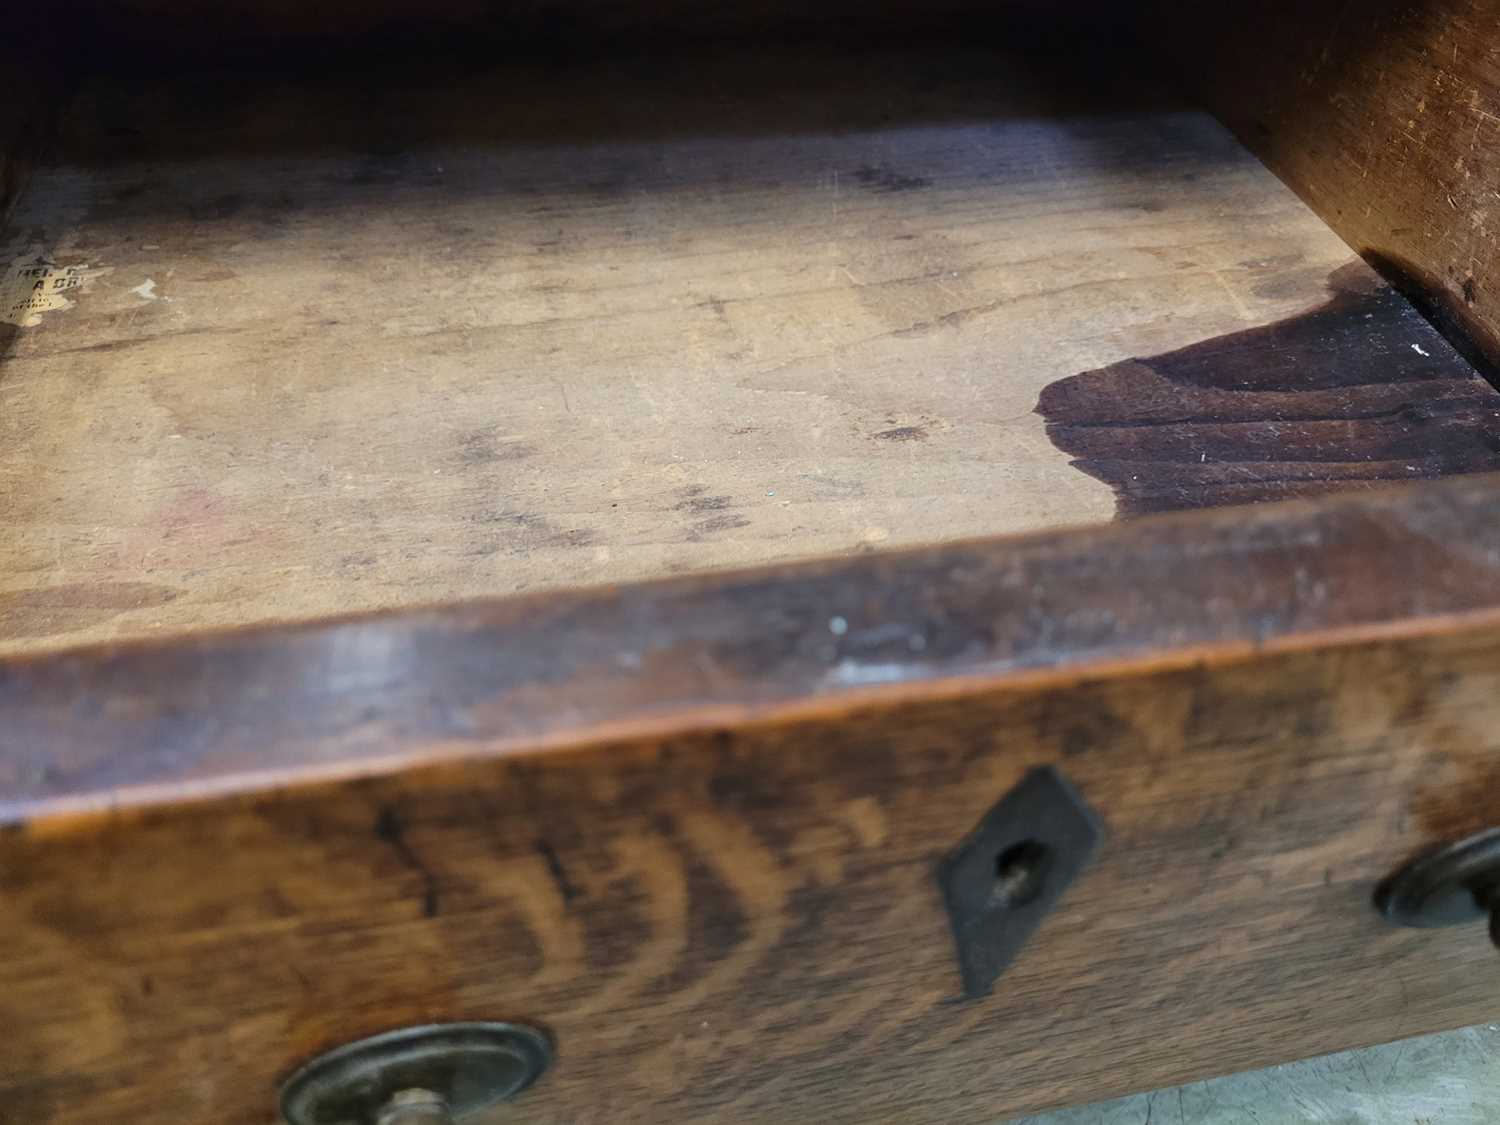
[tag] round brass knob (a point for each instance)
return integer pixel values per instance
(431, 1075)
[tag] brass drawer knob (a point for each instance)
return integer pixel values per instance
(1454, 883)
(430, 1075)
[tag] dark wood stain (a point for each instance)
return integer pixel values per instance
(555, 869)
(520, 533)
(717, 510)
(903, 433)
(885, 180)
(714, 524)
(390, 829)
(1358, 391)
(696, 502)
(481, 447)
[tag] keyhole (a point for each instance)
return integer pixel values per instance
(1020, 871)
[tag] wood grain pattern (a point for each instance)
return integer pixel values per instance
(1357, 391)
(329, 357)
(1384, 116)
(734, 915)
(356, 344)
(369, 695)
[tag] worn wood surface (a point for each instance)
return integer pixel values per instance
(1384, 116)
(727, 909)
(358, 343)
(130, 724)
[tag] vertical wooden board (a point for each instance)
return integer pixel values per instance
(1384, 116)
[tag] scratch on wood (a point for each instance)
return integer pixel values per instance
(389, 829)
(555, 869)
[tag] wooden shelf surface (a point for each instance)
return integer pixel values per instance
(346, 342)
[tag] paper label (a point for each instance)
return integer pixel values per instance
(36, 286)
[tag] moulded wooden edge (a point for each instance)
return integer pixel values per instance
(94, 729)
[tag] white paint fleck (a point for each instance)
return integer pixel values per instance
(1418, 349)
(848, 672)
(146, 290)
(838, 626)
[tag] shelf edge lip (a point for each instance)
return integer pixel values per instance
(104, 729)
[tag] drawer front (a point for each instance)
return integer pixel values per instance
(739, 917)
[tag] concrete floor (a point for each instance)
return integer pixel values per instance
(1449, 1079)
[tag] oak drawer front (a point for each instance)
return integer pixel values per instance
(285, 335)
(738, 917)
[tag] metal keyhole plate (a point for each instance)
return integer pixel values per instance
(1001, 881)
